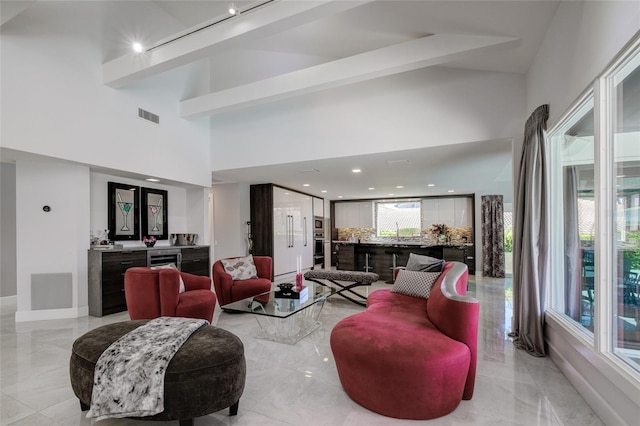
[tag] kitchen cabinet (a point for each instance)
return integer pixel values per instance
(463, 208)
(446, 211)
(454, 212)
(318, 207)
(345, 257)
(429, 211)
(282, 226)
(354, 214)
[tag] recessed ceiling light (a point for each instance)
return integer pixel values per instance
(152, 180)
(431, 184)
(371, 189)
(356, 170)
(399, 187)
(323, 191)
(451, 190)
(339, 196)
(305, 184)
(391, 194)
(137, 47)
(233, 10)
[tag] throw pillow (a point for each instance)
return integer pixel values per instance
(415, 283)
(424, 263)
(240, 268)
(171, 266)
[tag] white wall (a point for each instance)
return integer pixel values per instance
(176, 201)
(54, 242)
(54, 102)
(55, 105)
(427, 107)
(231, 214)
(582, 39)
(7, 229)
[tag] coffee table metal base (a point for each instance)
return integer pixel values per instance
(292, 329)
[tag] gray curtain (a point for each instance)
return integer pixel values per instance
(530, 245)
(492, 236)
(572, 258)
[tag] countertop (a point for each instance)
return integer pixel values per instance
(137, 248)
(400, 244)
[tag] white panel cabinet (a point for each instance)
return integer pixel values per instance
(292, 231)
(446, 211)
(357, 214)
(463, 212)
(455, 212)
(429, 211)
(365, 210)
(341, 215)
(318, 207)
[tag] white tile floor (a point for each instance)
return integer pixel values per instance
(293, 385)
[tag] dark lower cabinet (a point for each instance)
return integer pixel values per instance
(107, 268)
(346, 257)
(106, 279)
(195, 261)
(381, 259)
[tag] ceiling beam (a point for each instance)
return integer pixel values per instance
(262, 22)
(423, 52)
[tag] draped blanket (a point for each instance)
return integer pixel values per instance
(129, 376)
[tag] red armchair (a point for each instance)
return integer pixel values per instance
(152, 293)
(229, 290)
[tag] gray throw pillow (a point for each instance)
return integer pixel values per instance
(240, 268)
(424, 263)
(415, 283)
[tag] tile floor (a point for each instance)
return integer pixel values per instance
(293, 385)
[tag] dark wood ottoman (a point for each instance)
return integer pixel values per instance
(206, 375)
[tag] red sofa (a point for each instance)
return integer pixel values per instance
(409, 357)
(152, 293)
(229, 290)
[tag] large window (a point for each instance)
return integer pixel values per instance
(594, 157)
(623, 90)
(573, 232)
(398, 218)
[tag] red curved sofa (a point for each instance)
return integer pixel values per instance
(409, 357)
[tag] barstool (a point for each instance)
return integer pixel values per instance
(368, 264)
(394, 258)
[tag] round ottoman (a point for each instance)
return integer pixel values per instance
(206, 375)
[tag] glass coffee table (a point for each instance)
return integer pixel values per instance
(285, 316)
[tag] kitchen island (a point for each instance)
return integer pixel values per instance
(381, 257)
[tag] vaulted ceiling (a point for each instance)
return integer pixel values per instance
(326, 44)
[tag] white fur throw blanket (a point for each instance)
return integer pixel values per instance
(128, 379)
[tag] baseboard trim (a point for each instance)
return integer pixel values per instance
(597, 403)
(51, 314)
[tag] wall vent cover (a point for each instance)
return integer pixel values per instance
(149, 116)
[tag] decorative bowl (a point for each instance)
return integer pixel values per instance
(285, 286)
(149, 243)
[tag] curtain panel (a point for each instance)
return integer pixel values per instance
(492, 236)
(530, 237)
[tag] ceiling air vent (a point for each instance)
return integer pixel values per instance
(149, 116)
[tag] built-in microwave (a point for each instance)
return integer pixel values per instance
(318, 223)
